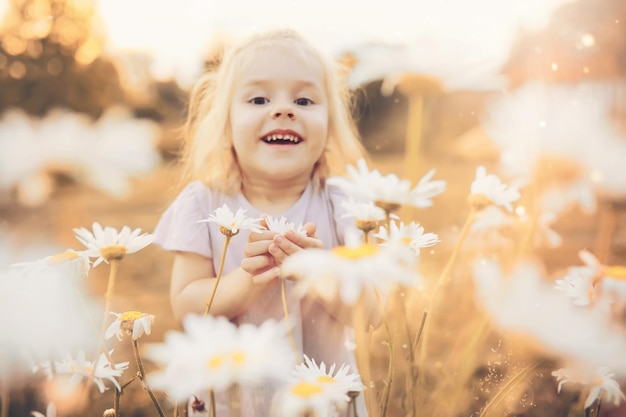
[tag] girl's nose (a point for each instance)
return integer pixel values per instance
(283, 111)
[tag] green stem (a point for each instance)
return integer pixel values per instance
(219, 275)
(142, 376)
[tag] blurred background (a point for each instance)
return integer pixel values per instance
(92, 94)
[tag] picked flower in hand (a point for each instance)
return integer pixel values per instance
(230, 224)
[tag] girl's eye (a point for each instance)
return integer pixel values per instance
(259, 100)
(303, 101)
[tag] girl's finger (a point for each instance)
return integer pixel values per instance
(256, 248)
(267, 276)
(256, 263)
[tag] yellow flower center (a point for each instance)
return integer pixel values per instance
(366, 225)
(63, 257)
(237, 357)
(406, 240)
(479, 201)
(325, 379)
(116, 252)
(215, 362)
(615, 272)
(355, 253)
(228, 231)
(387, 206)
(131, 316)
(305, 389)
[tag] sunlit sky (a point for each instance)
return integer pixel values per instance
(180, 32)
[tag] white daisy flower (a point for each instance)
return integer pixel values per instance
(525, 303)
(63, 307)
(282, 225)
(303, 398)
(338, 384)
(80, 368)
(213, 353)
(346, 270)
(488, 189)
(362, 211)
(421, 195)
(314, 390)
(107, 244)
(577, 285)
(545, 231)
(134, 323)
(600, 383)
(387, 191)
(51, 411)
(69, 263)
(411, 234)
(230, 224)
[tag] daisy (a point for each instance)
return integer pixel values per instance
(525, 303)
(595, 278)
(411, 234)
(421, 196)
(338, 384)
(346, 270)
(80, 368)
(213, 353)
(282, 225)
(488, 189)
(367, 215)
(230, 224)
(107, 244)
(577, 285)
(314, 390)
(387, 191)
(303, 399)
(601, 384)
(130, 322)
(69, 263)
(51, 411)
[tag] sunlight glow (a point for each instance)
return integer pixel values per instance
(180, 33)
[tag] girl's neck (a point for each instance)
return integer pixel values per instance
(272, 198)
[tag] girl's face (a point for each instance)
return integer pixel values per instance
(279, 116)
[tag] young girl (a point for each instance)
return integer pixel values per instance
(264, 131)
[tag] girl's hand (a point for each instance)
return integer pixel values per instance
(291, 242)
(258, 261)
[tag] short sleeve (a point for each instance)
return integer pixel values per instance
(343, 225)
(179, 229)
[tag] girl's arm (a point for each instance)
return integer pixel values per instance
(193, 279)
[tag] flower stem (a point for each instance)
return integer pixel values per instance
(457, 248)
(212, 400)
(286, 310)
(142, 377)
(390, 370)
(108, 295)
(219, 275)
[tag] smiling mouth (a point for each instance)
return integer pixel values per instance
(282, 139)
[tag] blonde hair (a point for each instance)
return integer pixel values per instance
(208, 154)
